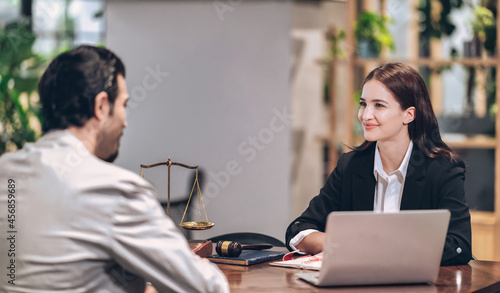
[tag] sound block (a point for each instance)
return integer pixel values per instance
(201, 247)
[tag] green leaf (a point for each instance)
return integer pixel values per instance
(20, 67)
(373, 28)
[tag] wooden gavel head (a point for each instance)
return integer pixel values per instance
(228, 248)
(233, 248)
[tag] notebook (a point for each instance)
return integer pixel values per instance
(248, 257)
(367, 248)
(308, 262)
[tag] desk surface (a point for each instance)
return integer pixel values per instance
(477, 275)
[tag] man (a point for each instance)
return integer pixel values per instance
(73, 222)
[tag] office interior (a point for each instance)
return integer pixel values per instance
(261, 95)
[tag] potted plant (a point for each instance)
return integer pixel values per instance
(372, 34)
(20, 119)
(482, 21)
(335, 51)
(468, 122)
(336, 37)
(482, 24)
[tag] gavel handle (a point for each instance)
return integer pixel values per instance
(256, 246)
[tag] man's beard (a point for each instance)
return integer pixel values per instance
(111, 158)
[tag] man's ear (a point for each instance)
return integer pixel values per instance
(409, 115)
(102, 106)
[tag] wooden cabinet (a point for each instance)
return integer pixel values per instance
(485, 225)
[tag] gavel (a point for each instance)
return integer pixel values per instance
(233, 248)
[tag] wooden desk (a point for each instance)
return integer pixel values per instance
(478, 275)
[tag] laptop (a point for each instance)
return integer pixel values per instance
(368, 248)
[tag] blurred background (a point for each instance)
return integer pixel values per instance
(263, 95)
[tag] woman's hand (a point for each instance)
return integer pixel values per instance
(312, 243)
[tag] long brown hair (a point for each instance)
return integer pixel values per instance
(409, 89)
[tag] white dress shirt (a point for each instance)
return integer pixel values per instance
(79, 220)
(389, 187)
(388, 190)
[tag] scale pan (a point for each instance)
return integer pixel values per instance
(196, 225)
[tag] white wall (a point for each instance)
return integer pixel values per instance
(218, 107)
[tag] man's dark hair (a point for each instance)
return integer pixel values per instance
(71, 82)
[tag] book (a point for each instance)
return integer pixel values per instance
(247, 258)
(306, 262)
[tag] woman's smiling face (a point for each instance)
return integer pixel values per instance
(381, 115)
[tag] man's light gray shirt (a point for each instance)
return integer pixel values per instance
(78, 220)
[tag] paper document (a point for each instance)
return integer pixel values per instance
(306, 262)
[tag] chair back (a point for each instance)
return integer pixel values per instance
(249, 238)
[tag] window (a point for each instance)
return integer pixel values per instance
(62, 24)
(9, 9)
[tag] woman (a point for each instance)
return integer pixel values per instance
(402, 165)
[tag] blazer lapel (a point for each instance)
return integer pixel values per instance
(415, 181)
(364, 182)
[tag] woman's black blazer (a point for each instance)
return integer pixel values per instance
(430, 184)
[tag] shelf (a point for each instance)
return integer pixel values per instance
(475, 142)
(428, 62)
(431, 62)
(454, 141)
(485, 225)
(482, 218)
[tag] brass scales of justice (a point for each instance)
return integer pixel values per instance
(200, 225)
